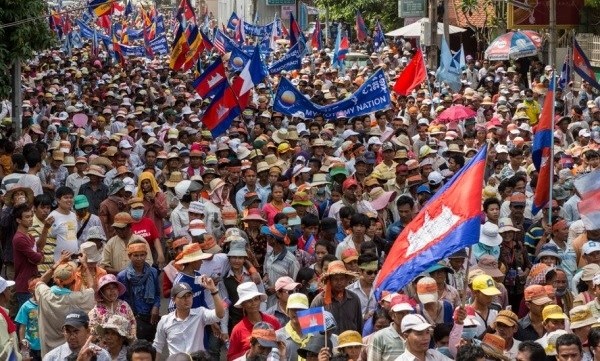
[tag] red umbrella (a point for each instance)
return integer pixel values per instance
(456, 113)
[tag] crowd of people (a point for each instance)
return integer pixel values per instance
(138, 206)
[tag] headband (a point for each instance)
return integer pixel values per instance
(136, 247)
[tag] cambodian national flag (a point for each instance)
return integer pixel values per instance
(450, 221)
(361, 27)
(295, 32)
(541, 151)
(221, 111)
(311, 320)
(211, 78)
(588, 187)
(316, 41)
(582, 65)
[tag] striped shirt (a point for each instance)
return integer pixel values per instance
(36, 231)
(10, 181)
(283, 264)
(386, 345)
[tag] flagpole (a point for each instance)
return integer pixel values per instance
(551, 155)
(463, 297)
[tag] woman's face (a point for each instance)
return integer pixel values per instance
(278, 194)
(146, 185)
(381, 323)
(493, 212)
(110, 292)
(112, 340)
(252, 305)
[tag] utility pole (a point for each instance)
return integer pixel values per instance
(16, 97)
(553, 35)
(432, 54)
(446, 22)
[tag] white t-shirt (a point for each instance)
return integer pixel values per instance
(64, 229)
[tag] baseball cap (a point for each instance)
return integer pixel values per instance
(427, 290)
(264, 334)
(297, 301)
(590, 247)
(585, 133)
(76, 319)
(507, 318)
(518, 198)
(4, 284)
(486, 285)
(553, 312)
(537, 294)
(414, 322)
(435, 178)
(400, 303)
(287, 283)
(180, 289)
(349, 183)
(349, 255)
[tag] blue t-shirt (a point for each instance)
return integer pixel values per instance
(28, 316)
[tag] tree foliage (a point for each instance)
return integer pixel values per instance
(21, 41)
(345, 10)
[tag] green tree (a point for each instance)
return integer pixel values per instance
(19, 42)
(386, 11)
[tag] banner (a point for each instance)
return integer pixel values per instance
(87, 32)
(292, 60)
(372, 96)
(251, 29)
(159, 45)
(135, 51)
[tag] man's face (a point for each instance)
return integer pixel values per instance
(183, 302)
(405, 212)
(75, 336)
(418, 341)
(523, 356)
(141, 356)
(569, 353)
(66, 202)
(26, 220)
(42, 212)
(338, 283)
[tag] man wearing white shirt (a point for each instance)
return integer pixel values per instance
(417, 334)
(187, 321)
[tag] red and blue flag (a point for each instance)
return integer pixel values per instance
(316, 38)
(253, 73)
(221, 111)
(361, 27)
(211, 78)
(541, 151)
(582, 66)
(311, 320)
(588, 187)
(208, 45)
(295, 32)
(450, 221)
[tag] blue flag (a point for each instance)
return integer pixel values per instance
(238, 59)
(372, 96)
(292, 60)
(378, 36)
(449, 70)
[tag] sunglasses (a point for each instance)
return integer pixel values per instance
(371, 273)
(289, 292)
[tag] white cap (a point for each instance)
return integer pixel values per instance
(348, 133)
(125, 144)
(414, 322)
(4, 284)
(590, 246)
(585, 133)
(435, 178)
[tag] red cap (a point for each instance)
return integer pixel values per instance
(349, 183)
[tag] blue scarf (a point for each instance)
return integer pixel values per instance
(142, 286)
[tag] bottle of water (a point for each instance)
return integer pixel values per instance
(25, 351)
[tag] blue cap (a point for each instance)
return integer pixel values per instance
(369, 157)
(423, 188)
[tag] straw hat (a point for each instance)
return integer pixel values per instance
(247, 291)
(349, 338)
(380, 198)
(337, 268)
(319, 179)
(237, 248)
(95, 170)
(493, 345)
(174, 179)
(191, 253)
(254, 215)
(9, 195)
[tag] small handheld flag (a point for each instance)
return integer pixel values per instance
(311, 320)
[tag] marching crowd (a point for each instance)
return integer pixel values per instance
(116, 199)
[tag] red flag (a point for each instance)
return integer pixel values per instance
(412, 76)
(104, 22)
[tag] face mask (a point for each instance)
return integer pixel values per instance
(529, 99)
(160, 164)
(292, 249)
(469, 333)
(596, 129)
(313, 287)
(137, 213)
